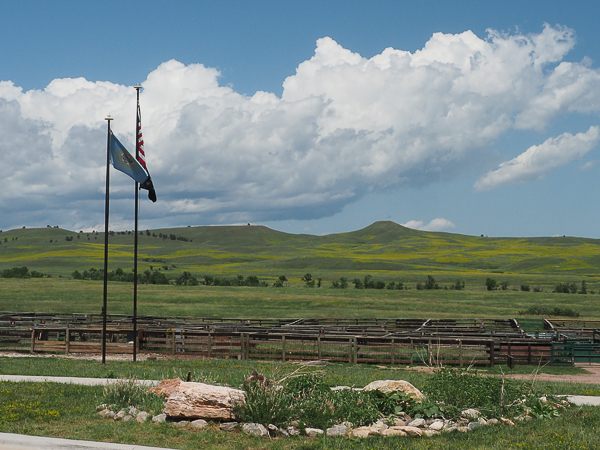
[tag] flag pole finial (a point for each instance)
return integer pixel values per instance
(138, 87)
(108, 118)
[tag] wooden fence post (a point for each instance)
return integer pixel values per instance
(350, 350)
(67, 340)
(412, 352)
(209, 343)
(283, 348)
(173, 342)
(492, 355)
(429, 352)
(33, 341)
(529, 354)
(243, 346)
(460, 353)
(393, 351)
(319, 347)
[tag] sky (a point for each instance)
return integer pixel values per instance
(319, 117)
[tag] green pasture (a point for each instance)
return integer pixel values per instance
(60, 295)
(386, 251)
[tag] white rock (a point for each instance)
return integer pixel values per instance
(292, 431)
(394, 431)
(199, 423)
(181, 423)
(255, 429)
(472, 425)
(312, 432)
(228, 426)
(436, 425)
(361, 432)
(159, 418)
(394, 386)
(470, 414)
(418, 423)
(141, 417)
(337, 430)
(379, 426)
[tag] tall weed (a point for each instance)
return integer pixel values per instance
(126, 393)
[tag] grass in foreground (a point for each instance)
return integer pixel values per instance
(68, 411)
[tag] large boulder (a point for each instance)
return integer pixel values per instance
(394, 386)
(203, 401)
(166, 387)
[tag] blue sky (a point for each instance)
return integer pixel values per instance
(294, 115)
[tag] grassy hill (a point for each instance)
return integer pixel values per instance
(383, 247)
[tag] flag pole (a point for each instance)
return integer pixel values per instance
(106, 209)
(135, 240)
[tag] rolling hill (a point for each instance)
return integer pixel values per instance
(383, 247)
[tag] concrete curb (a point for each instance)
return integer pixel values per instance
(9, 441)
(581, 400)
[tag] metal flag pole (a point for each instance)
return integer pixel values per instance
(135, 240)
(106, 209)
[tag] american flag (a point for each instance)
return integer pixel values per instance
(140, 141)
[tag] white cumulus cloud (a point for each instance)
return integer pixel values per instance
(538, 160)
(345, 125)
(438, 224)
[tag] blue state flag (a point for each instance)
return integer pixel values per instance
(123, 161)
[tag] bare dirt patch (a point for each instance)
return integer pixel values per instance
(592, 377)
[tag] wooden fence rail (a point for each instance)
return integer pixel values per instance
(275, 345)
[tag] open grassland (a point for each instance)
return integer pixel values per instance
(386, 251)
(69, 296)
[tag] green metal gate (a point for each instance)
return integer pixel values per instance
(572, 351)
(561, 354)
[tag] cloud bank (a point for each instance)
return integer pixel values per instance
(345, 125)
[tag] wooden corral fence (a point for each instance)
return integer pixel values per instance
(432, 342)
(81, 340)
(573, 328)
(415, 350)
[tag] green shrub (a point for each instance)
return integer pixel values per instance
(565, 288)
(457, 389)
(264, 404)
(16, 272)
(308, 400)
(490, 284)
(556, 311)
